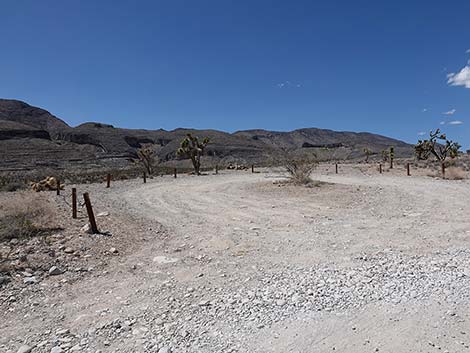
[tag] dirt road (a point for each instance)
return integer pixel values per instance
(362, 263)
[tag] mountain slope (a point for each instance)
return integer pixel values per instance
(31, 136)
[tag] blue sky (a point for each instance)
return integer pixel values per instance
(376, 66)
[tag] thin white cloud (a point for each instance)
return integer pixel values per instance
(442, 123)
(450, 112)
(461, 78)
(286, 84)
(467, 51)
(421, 133)
(455, 122)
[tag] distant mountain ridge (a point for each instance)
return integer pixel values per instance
(31, 136)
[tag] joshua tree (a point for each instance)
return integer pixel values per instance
(191, 148)
(367, 152)
(384, 154)
(448, 148)
(146, 157)
(392, 156)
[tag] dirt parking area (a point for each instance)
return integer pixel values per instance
(238, 262)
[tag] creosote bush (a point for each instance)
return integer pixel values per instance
(300, 171)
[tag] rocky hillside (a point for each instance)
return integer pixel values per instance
(32, 137)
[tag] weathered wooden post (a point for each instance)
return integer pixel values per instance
(408, 169)
(175, 172)
(380, 168)
(145, 178)
(108, 180)
(216, 169)
(336, 168)
(74, 203)
(91, 216)
(252, 168)
(58, 187)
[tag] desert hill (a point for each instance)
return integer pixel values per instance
(32, 137)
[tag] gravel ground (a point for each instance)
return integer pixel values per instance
(238, 262)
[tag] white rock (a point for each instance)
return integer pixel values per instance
(164, 260)
(54, 271)
(25, 349)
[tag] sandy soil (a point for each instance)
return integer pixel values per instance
(236, 262)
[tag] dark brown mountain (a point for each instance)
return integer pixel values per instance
(32, 137)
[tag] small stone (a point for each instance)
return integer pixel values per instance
(62, 332)
(164, 349)
(54, 271)
(68, 250)
(102, 214)
(86, 228)
(113, 251)
(30, 280)
(25, 349)
(56, 350)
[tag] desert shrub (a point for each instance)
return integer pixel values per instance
(455, 173)
(299, 171)
(24, 215)
(8, 183)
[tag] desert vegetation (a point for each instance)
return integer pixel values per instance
(147, 159)
(438, 146)
(367, 153)
(24, 215)
(192, 148)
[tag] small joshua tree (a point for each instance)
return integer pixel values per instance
(426, 148)
(384, 154)
(367, 152)
(191, 148)
(147, 159)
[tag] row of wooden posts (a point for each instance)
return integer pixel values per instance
(381, 169)
(89, 208)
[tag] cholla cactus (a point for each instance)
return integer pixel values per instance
(191, 148)
(425, 148)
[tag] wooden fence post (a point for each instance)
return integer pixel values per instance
(252, 168)
(175, 172)
(74, 203)
(408, 169)
(216, 169)
(380, 168)
(58, 187)
(108, 180)
(145, 178)
(91, 216)
(336, 168)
